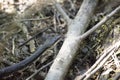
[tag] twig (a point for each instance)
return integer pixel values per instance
(59, 8)
(98, 64)
(13, 45)
(36, 72)
(116, 46)
(100, 23)
(40, 32)
(91, 31)
(116, 61)
(34, 19)
(21, 20)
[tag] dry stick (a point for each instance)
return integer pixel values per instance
(117, 76)
(94, 66)
(34, 19)
(98, 66)
(59, 8)
(106, 52)
(13, 68)
(36, 72)
(70, 46)
(39, 33)
(112, 49)
(107, 17)
(93, 29)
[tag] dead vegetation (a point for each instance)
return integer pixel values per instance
(26, 25)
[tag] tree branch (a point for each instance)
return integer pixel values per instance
(63, 13)
(70, 46)
(107, 17)
(100, 62)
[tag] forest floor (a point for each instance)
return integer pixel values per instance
(47, 23)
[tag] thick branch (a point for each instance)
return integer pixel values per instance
(70, 46)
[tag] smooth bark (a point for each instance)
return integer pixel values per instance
(71, 44)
